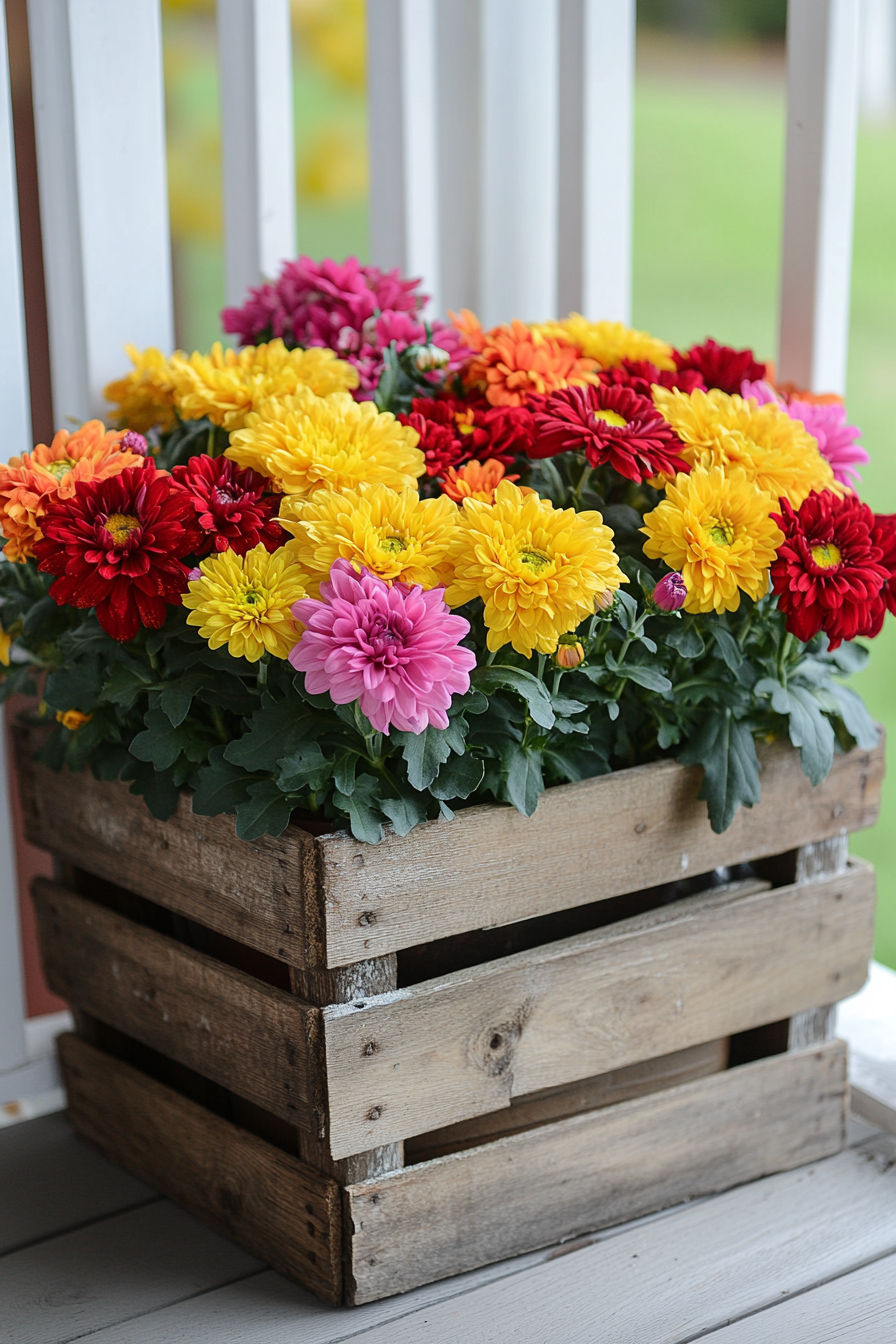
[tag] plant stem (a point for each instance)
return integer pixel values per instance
(219, 723)
(263, 671)
(556, 686)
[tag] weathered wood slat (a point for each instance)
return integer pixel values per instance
(592, 1170)
(196, 866)
(493, 866)
(238, 1031)
(333, 900)
(713, 964)
(268, 1202)
(557, 1103)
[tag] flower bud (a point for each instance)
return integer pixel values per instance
(194, 574)
(568, 653)
(430, 357)
(72, 719)
(604, 601)
(670, 593)
(132, 442)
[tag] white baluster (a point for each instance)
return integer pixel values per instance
(100, 126)
(459, 143)
(878, 59)
(255, 53)
(17, 439)
(401, 103)
(822, 104)
(597, 51)
(519, 160)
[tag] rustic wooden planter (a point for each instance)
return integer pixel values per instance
(378, 1066)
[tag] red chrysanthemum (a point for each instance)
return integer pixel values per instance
(610, 425)
(641, 374)
(883, 535)
(116, 546)
(453, 431)
(232, 511)
(828, 573)
(720, 366)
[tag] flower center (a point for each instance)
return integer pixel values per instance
(120, 526)
(60, 468)
(610, 417)
(533, 560)
(253, 598)
(825, 554)
(224, 496)
(721, 531)
(393, 545)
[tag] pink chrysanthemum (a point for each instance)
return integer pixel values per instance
(826, 422)
(394, 648)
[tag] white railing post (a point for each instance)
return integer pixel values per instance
(877, 80)
(255, 58)
(17, 439)
(459, 150)
(403, 144)
(100, 127)
(519, 160)
(594, 252)
(819, 188)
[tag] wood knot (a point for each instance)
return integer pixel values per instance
(641, 828)
(370, 1048)
(374, 1113)
(358, 860)
(499, 1041)
(368, 917)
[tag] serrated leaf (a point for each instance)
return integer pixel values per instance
(728, 647)
(685, 640)
(159, 744)
(812, 733)
(772, 687)
(272, 732)
(524, 783)
(77, 686)
(344, 772)
(561, 704)
(725, 748)
(125, 683)
(533, 691)
(156, 787)
(363, 810)
(404, 813)
(458, 778)
(220, 786)
(305, 768)
(265, 812)
(424, 755)
(854, 713)
(177, 696)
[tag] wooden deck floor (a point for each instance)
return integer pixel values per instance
(807, 1257)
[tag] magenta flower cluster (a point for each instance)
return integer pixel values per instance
(396, 649)
(826, 422)
(353, 309)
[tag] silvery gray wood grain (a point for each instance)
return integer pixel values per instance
(675, 1279)
(859, 1308)
(51, 1181)
(112, 1271)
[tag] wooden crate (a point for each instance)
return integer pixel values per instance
(378, 1066)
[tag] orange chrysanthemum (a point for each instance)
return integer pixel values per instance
(514, 362)
(29, 483)
(475, 480)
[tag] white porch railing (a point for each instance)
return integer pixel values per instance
(501, 154)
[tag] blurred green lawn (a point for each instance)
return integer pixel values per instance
(708, 188)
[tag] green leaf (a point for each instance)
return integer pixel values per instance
(159, 743)
(725, 748)
(265, 812)
(474, 702)
(812, 733)
(524, 782)
(344, 772)
(648, 677)
(562, 705)
(157, 787)
(458, 777)
(854, 713)
(77, 686)
(363, 809)
(305, 768)
(850, 657)
(728, 647)
(404, 813)
(538, 702)
(772, 687)
(220, 786)
(125, 683)
(274, 731)
(424, 754)
(177, 696)
(686, 640)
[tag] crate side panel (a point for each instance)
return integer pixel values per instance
(713, 964)
(529, 1190)
(233, 1029)
(589, 841)
(269, 1203)
(196, 866)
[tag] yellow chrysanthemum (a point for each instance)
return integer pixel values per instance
(246, 602)
(761, 442)
(306, 443)
(716, 530)
(609, 342)
(537, 569)
(144, 397)
(227, 384)
(395, 534)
